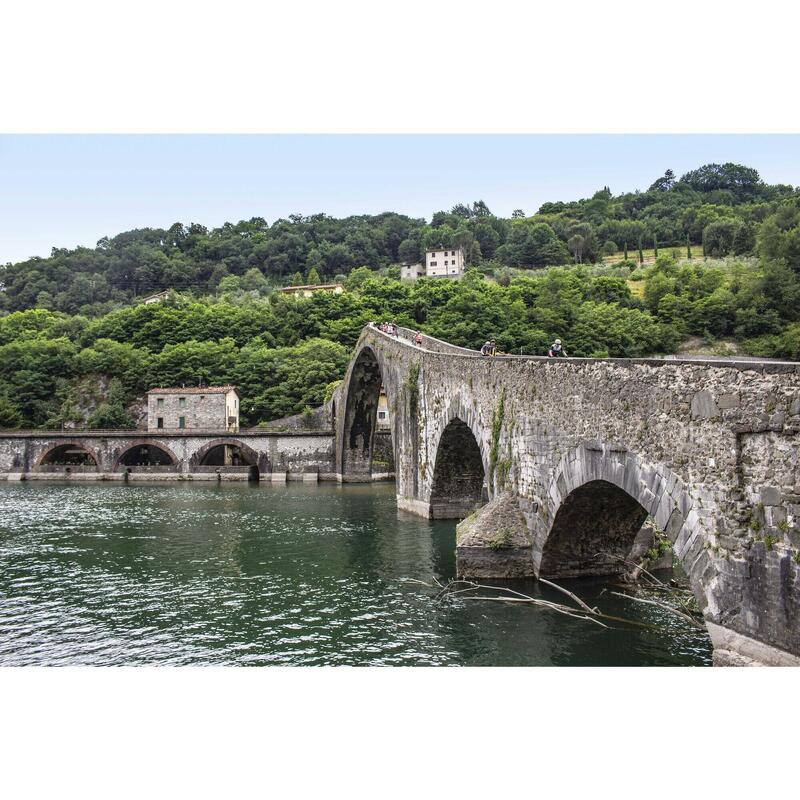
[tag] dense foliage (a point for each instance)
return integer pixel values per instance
(282, 352)
(75, 350)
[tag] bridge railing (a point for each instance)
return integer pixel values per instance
(433, 345)
(430, 343)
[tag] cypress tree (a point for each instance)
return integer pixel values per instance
(641, 255)
(625, 247)
(688, 249)
(655, 245)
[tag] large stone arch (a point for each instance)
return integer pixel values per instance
(257, 460)
(594, 506)
(459, 466)
(359, 413)
(51, 450)
(143, 443)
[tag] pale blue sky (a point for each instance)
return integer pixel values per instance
(64, 191)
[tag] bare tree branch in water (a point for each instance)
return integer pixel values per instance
(665, 606)
(466, 590)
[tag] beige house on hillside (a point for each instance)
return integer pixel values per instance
(449, 263)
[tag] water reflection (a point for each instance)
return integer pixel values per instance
(248, 574)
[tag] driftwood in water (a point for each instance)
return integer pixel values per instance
(506, 595)
(467, 590)
(665, 606)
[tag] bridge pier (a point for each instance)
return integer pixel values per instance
(495, 542)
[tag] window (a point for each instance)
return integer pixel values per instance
(181, 402)
(181, 422)
(202, 397)
(160, 422)
(445, 262)
(433, 263)
(381, 415)
(160, 402)
(453, 253)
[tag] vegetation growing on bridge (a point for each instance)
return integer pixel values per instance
(498, 467)
(412, 385)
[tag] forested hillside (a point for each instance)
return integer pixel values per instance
(716, 208)
(77, 349)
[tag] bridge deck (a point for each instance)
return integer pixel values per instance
(433, 345)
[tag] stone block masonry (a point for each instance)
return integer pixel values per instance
(589, 448)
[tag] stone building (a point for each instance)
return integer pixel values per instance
(384, 420)
(193, 408)
(448, 263)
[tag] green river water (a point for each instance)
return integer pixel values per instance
(196, 574)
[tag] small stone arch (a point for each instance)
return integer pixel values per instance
(603, 490)
(45, 458)
(143, 443)
(252, 456)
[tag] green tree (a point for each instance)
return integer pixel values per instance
(409, 251)
(358, 277)
(719, 237)
(109, 416)
(664, 183)
(10, 416)
(254, 281)
(230, 283)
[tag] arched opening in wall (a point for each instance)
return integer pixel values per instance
(146, 455)
(382, 461)
(68, 455)
(361, 420)
(232, 457)
(458, 475)
(593, 532)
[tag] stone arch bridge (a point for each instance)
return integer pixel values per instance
(558, 462)
(168, 455)
(552, 464)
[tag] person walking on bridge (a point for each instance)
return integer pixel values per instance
(489, 349)
(557, 350)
